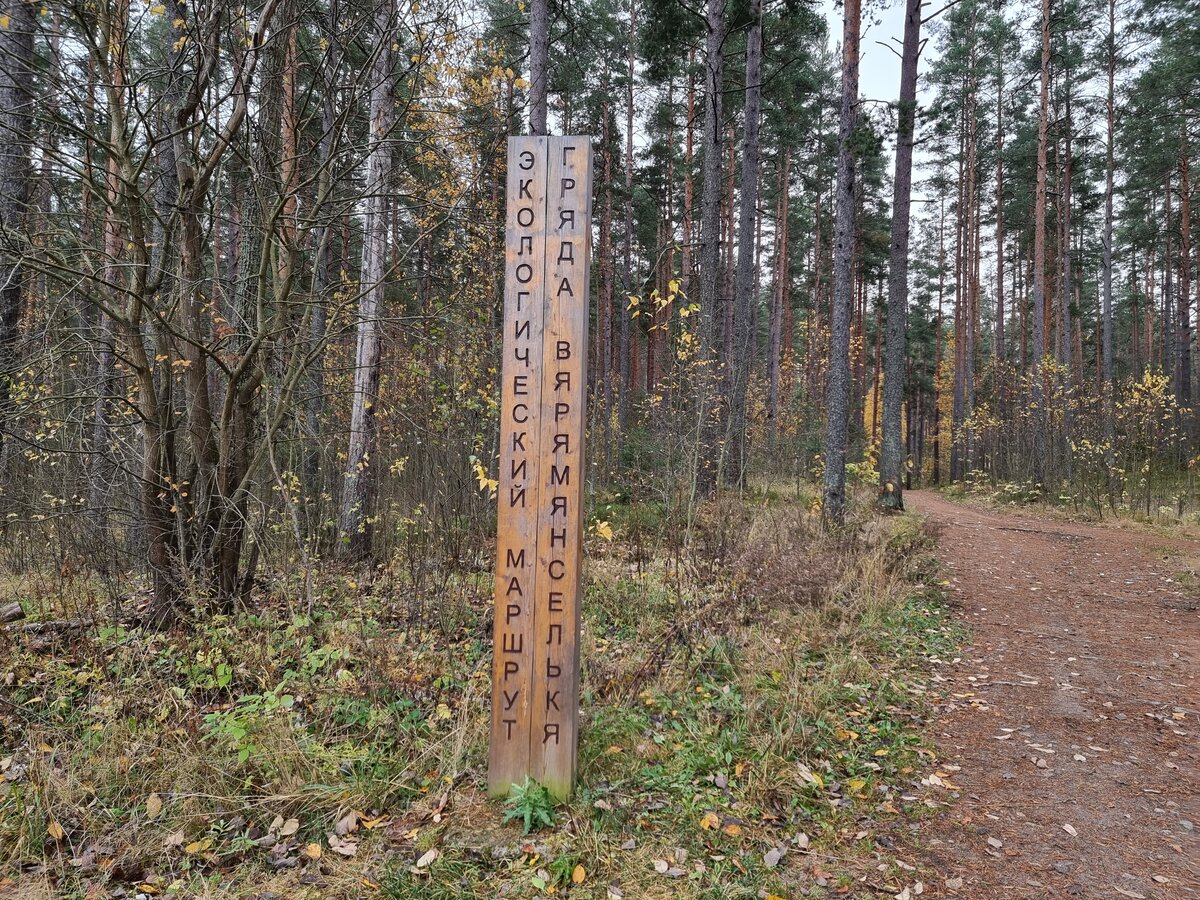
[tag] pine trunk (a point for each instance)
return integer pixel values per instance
(838, 386)
(746, 284)
(359, 488)
(891, 457)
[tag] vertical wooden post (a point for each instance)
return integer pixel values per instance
(517, 499)
(555, 723)
(539, 546)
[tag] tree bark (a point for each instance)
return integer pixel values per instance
(323, 265)
(837, 390)
(1106, 289)
(775, 352)
(359, 487)
(891, 458)
(710, 246)
(539, 51)
(626, 339)
(1000, 313)
(747, 272)
(1039, 258)
(16, 185)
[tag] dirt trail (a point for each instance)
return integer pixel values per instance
(1074, 712)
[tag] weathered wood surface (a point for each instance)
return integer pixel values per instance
(535, 672)
(518, 494)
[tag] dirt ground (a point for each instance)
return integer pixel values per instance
(1074, 712)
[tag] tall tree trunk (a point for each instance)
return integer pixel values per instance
(1183, 305)
(101, 472)
(1040, 418)
(359, 487)
(539, 76)
(1000, 313)
(1106, 287)
(323, 264)
(626, 339)
(891, 457)
(775, 351)
(938, 337)
(16, 185)
(837, 391)
(710, 246)
(746, 286)
(688, 190)
(727, 245)
(604, 312)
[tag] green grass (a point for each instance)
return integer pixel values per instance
(782, 709)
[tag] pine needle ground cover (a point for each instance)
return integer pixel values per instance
(753, 698)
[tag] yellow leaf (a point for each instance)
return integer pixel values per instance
(732, 829)
(810, 776)
(881, 752)
(158, 9)
(198, 846)
(710, 820)
(4, 20)
(604, 530)
(154, 805)
(578, 874)
(312, 851)
(56, 830)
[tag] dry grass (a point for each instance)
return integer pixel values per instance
(716, 676)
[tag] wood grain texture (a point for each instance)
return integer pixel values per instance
(555, 726)
(519, 476)
(535, 672)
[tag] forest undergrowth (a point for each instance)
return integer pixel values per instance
(752, 706)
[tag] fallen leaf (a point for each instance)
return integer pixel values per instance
(709, 821)
(772, 857)
(954, 883)
(56, 830)
(810, 776)
(347, 824)
(428, 857)
(995, 842)
(290, 827)
(198, 846)
(578, 874)
(661, 866)
(1070, 829)
(154, 806)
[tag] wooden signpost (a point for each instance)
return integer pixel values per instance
(539, 535)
